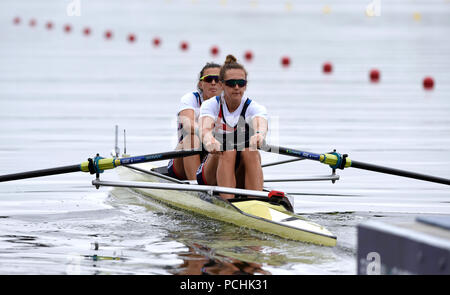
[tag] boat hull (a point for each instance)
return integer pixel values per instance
(258, 215)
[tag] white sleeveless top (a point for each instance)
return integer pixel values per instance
(193, 101)
(226, 121)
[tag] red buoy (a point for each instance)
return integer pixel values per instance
(16, 20)
(67, 28)
(131, 38)
(184, 46)
(87, 31)
(285, 61)
(214, 50)
(49, 25)
(428, 83)
(327, 68)
(108, 34)
(374, 75)
(248, 55)
(156, 41)
(32, 22)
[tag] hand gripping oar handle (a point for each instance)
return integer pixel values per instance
(336, 160)
(98, 164)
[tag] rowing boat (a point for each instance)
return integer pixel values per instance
(270, 215)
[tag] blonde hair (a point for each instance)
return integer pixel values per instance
(230, 63)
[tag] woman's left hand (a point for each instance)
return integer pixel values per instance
(256, 141)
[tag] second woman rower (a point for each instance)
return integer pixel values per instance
(208, 86)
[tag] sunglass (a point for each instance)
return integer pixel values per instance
(233, 82)
(210, 78)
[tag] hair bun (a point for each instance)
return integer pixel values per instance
(230, 64)
(230, 59)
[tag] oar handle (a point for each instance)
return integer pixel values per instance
(39, 173)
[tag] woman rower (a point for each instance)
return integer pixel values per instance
(208, 86)
(231, 117)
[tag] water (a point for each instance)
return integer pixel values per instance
(61, 95)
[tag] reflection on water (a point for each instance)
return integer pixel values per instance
(197, 263)
(134, 234)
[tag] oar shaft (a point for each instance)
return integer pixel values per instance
(100, 165)
(398, 172)
(158, 157)
(291, 152)
(40, 173)
(333, 159)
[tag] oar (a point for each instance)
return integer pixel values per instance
(98, 164)
(338, 161)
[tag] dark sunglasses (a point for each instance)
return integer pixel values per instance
(233, 82)
(210, 78)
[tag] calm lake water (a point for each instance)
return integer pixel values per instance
(61, 94)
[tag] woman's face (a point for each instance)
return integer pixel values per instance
(211, 88)
(234, 92)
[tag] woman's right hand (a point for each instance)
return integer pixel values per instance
(212, 145)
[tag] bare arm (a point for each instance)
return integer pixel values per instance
(187, 119)
(209, 142)
(260, 126)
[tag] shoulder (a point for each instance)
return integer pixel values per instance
(189, 101)
(210, 106)
(256, 109)
(189, 97)
(254, 105)
(211, 102)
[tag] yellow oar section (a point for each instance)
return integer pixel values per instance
(102, 164)
(333, 160)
